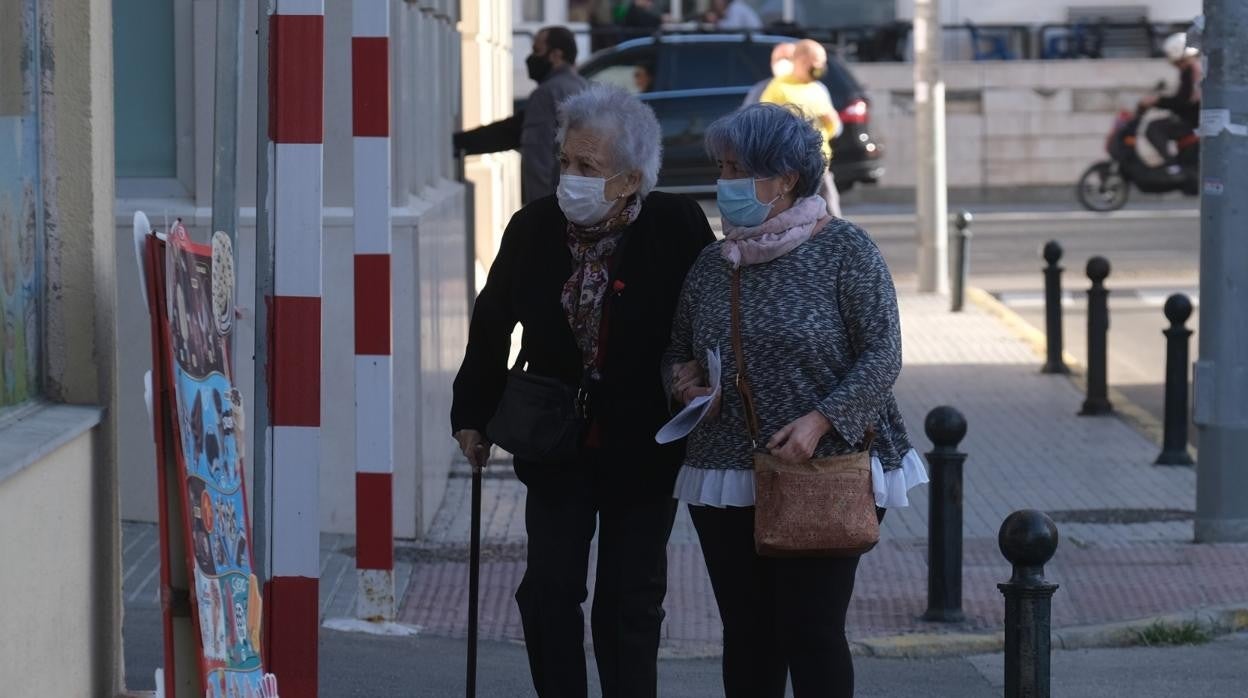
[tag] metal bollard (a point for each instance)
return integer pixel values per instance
(1053, 309)
(1174, 444)
(962, 262)
(1028, 540)
(945, 427)
(1097, 401)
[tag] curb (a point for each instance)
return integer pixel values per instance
(999, 217)
(1131, 413)
(1215, 620)
(367, 627)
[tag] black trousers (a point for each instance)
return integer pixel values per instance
(631, 582)
(1162, 132)
(781, 616)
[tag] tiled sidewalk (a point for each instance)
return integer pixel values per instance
(1027, 447)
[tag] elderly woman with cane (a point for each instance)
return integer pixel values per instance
(788, 475)
(593, 276)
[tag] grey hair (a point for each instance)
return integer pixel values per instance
(625, 122)
(771, 141)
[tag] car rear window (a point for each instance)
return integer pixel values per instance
(841, 83)
(621, 69)
(706, 64)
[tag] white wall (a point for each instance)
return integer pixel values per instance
(1032, 12)
(487, 82)
(1010, 124)
(430, 271)
(47, 581)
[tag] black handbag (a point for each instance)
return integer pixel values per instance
(539, 419)
(543, 419)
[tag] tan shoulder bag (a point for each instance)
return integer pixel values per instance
(822, 507)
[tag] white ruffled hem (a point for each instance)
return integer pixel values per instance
(735, 488)
(892, 488)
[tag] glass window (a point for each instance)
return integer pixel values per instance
(826, 14)
(533, 10)
(634, 70)
(580, 10)
(143, 88)
(21, 204)
(723, 64)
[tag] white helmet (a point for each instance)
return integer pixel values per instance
(1176, 49)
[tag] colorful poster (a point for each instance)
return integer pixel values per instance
(208, 435)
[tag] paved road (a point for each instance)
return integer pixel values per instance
(432, 667)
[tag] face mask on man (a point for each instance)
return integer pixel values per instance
(782, 68)
(738, 202)
(539, 67)
(583, 200)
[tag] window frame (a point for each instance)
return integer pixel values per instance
(182, 184)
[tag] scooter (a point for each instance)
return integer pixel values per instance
(1105, 185)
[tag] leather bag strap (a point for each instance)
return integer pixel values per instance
(743, 380)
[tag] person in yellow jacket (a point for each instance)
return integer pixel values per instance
(802, 89)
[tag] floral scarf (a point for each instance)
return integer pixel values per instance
(584, 292)
(775, 237)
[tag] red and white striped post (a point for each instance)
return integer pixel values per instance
(374, 396)
(296, 99)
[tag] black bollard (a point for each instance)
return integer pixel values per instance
(1053, 309)
(1028, 540)
(945, 427)
(1174, 444)
(1097, 401)
(962, 262)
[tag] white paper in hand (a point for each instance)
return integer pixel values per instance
(683, 423)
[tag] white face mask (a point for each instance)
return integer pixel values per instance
(584, 199)
(782, 68)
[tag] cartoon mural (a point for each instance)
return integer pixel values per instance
(20, 205)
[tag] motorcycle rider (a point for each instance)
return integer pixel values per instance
(1183, 105)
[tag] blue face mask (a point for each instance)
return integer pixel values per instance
(739, 204)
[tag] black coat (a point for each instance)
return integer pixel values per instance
(525, 285)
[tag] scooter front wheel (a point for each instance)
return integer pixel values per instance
(1103, 188)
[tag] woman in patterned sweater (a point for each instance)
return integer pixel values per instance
(822, 339)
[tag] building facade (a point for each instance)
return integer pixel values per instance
(164, 98)
(59, 526)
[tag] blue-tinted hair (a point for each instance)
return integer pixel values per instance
(771, 141)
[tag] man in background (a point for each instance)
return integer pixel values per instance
(552, 65)
(801, 88)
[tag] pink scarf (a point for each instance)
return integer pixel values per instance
(776, 237)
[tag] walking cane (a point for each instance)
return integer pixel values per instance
(474, 565)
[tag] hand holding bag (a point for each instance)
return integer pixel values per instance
(821, 507)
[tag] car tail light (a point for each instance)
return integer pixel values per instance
(855, 112)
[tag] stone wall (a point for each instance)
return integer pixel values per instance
(1010, 124)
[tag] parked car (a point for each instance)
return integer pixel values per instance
(693, 79)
